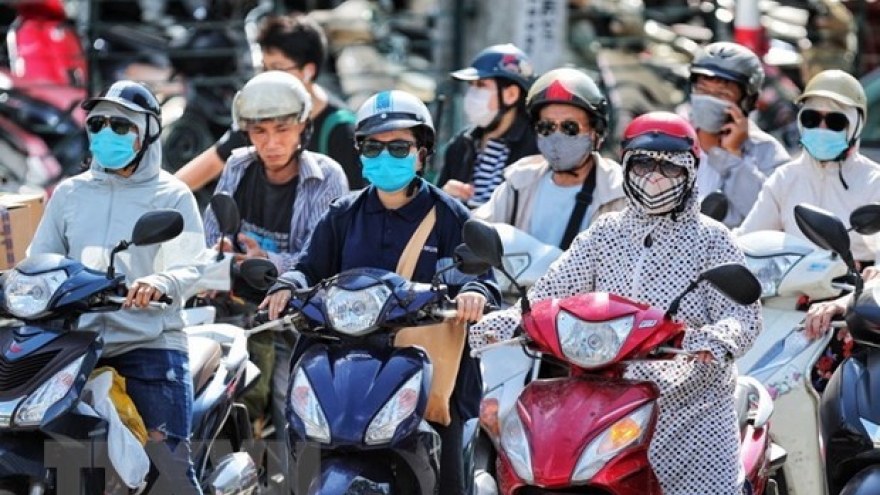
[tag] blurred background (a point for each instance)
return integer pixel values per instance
(196, 53)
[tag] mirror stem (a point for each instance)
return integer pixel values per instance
(673, 307)
(122, 246)
(220, 254)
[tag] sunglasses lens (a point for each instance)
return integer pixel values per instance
(641, 164)
(120, 126)
(670, 170)
(836, 121)
(371, 149)
(570, 128)
(545, 127)
(398, 149)
(95, 124)
(810, 118)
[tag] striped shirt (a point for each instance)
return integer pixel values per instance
(321, 181)
(489, 171)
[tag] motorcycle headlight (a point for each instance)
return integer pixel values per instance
(306, 406)
(33, 409)
(515, 443)
(623, 434)
(355, 312)
(591, 343)
(770, 271)
(398, 408)
(29, 295)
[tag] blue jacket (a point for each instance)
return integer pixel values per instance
(358, 231)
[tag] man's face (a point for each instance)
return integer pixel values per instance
(275, 141)
(719, 88)
(276, 60)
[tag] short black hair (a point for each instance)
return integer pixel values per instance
(297, 36)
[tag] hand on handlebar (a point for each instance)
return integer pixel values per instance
(140, 295)
(470, 306)
(276, 303)
(819, 316)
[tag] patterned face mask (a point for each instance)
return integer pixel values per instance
(655, 193)
(657, 182)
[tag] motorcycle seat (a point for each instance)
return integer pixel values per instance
(205, 356)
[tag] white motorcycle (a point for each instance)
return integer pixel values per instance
(792, 270)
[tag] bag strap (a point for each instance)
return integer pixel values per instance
(339, 117)
(515, 206)
(410, 256)
(582, 201)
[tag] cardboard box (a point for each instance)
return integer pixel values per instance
(25, 212)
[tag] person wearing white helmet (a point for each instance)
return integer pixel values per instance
(371, 228)
(830, 173)
(281, 190)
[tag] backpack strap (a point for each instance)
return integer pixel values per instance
(341, 116)
(582, 202)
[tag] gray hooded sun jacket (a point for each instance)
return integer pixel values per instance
(90, 213)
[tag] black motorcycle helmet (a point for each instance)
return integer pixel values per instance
(135, 97)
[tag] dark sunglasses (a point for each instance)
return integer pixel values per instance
(835, 121)
(643, 165)
(567, 127)
(399, 148)
(119, 125)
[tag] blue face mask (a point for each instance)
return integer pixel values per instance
(112, 150)
(824, 144)
(387, 173)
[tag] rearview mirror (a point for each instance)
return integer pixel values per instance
(157, 226)
(259, 273)
(825, 230)
(226, 211)
(715, 205)
(468, 262)
(865, 219)
(735, 281)
(483, 241)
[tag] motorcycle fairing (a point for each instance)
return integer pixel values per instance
(563, 415)
(353, 383)
(850, 418)
(406, 300)
(30, 355)
(650, 327)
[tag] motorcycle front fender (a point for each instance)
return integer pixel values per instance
(865, 482)
(340, 476)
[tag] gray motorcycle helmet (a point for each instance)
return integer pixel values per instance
(733, 62)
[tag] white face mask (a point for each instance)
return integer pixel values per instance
(476, 106)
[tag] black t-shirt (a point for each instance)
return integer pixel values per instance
(340, 144)
(266, 209)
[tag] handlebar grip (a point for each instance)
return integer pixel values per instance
(262, 316)
(165, 299)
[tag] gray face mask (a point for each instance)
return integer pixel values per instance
(565, 152)
(708, 112)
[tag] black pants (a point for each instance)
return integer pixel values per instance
(451, 458)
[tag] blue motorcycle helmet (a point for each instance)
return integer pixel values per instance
(505, 62)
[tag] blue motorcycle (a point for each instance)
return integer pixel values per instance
(356, 403)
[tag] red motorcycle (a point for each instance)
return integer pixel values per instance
(591, 430)
(40, 120)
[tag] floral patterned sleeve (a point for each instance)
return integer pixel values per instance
(572, 273)
(734, 328)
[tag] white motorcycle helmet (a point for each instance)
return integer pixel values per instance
(393, 110)
(269, 95)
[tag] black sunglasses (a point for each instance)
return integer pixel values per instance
(835, 121)
(567, 127)
(399, 148)
(643, 165)
(119, 125)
